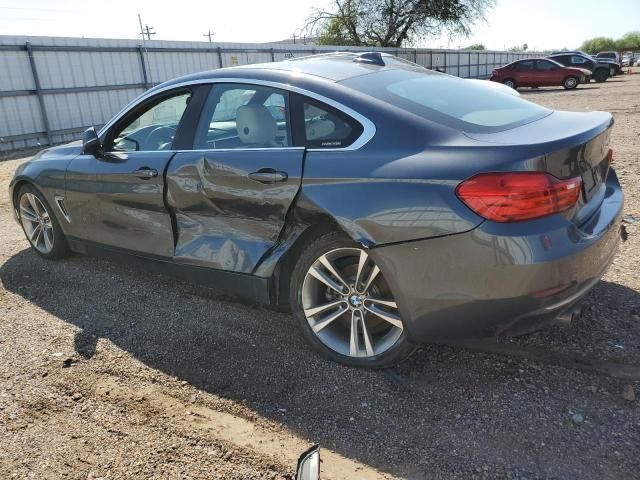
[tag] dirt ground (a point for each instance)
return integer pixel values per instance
(108, 372)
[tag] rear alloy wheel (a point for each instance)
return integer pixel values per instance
(570, 83)
(40, 225)
(345, 306)
(510, 83)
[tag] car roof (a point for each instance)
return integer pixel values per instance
(546, 59)
(532, 58)
(572, 52)
(334, 67)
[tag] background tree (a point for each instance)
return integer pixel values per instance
(629, 41)
(393, 23)
(598, 44)
(476, 46)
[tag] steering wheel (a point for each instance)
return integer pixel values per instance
(160, 138)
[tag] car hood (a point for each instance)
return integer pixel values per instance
(73, 148)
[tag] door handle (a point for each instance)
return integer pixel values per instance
(146, 173)
(268, 176)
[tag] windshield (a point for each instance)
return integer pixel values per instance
(451, 101)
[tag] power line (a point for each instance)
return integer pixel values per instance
(44, 9)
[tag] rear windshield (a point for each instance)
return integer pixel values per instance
(452, 101)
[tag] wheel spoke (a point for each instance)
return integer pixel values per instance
(358, 327)
(391, 318)
(368, 344)
(386, 303)
(35, 235)
(329, 266)
(361, 264)
(372, 276)
(324, 278)
(33, 202)
(353, 340)
(321, 324)
(28, 214)
(48, 238)
(310, 312)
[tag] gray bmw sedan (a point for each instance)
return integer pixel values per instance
(384, 204)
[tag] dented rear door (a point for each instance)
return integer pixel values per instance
(230, 205)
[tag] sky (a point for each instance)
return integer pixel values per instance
(542, 24)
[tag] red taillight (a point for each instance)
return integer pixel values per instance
(516, 196)
(610, 155)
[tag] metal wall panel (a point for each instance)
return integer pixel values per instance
(19, 115)
(16, 72)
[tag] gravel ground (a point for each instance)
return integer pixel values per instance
(109, 372)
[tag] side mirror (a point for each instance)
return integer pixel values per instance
(90, 142)
(309, 465)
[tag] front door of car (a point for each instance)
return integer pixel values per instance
(546, 73)
(581, 62)
(525, 73)
(231, 192)
(116, 198)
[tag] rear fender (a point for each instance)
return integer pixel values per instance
(305, 223)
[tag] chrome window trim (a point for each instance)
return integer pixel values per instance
(368, 127)
(253, 149)
(266, 149)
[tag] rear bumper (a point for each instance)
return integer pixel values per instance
(500, 278)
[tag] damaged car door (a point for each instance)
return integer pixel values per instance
(115, 196)
(231, 192)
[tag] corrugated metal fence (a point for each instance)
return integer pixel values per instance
(52, 88)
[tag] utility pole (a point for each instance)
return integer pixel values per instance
(294, 38)
(146, 30)
(148, 33)
(208, 34)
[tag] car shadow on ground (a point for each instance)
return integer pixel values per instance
(447, 411)
(553, 90)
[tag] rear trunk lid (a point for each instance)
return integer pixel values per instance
(566, 145)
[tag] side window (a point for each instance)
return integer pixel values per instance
(545, 65)
(244, 116)
(326, 127)
(153, 128)
(525, 65)
(577, 60)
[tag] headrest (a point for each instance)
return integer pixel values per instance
(319, 129)
(256, 125)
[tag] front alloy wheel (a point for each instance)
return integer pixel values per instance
(36, 222)
(40, 224)
(348, 304)
(570, 83)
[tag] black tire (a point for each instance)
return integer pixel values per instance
(510, 82)
(570, 82)
(600, 75)
(60, 248)
(400, 350)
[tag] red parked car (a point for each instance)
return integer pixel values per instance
(540, 72)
